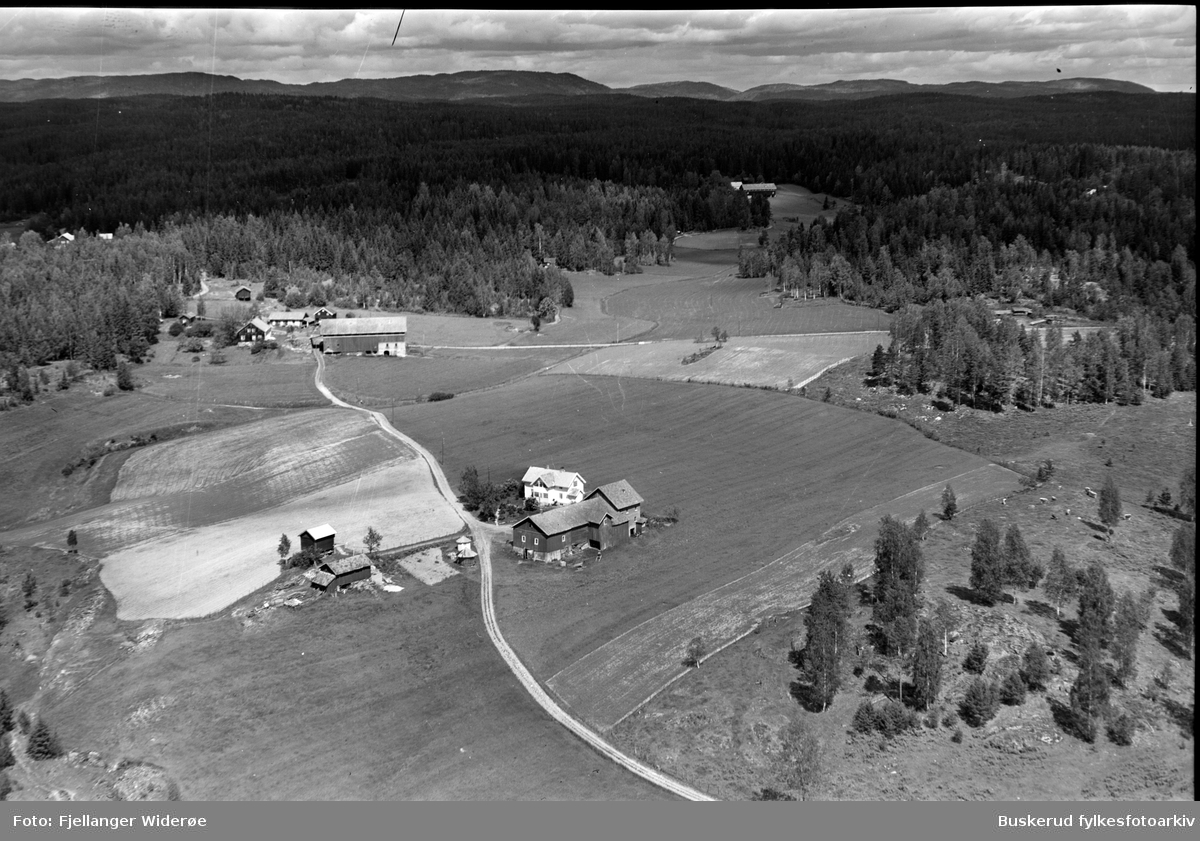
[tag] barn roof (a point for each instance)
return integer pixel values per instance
(564, 518)
(320, 577)
(288, 315)
(319, 532)
(341, 566)
(361, 326)
(620, 494)
(550, 478)
(243, 286)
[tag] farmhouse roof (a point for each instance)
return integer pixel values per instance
(288, 315)
(620, 495)
(259, 323)
(564, 518)
(550, 478)
(243, 286)
(319, 532)
(360, 326)
(341, 566)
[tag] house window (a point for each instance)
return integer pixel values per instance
(535, 543)
(522, 538)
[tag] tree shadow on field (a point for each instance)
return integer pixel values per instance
(1169, 636)
(1183, 716)
(807, 695)
(966, 594)
(1070, 628)
(1041, 609)
(1168, 578)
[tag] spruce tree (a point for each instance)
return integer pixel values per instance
(949, 503)
(1183, 549)
(927, 665)
(1035, 668)
(1127, 627)
(1013, 690)
(1062, 582)
(980, 702)
(987, 564)
(43, 744)
(1187, 613)
(6, 755)
(1110, 504)
(6, 713)
(1095, 607)
(1019, 567)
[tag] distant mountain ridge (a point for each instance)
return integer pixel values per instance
(503, 84)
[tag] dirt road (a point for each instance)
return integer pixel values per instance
(479, 534)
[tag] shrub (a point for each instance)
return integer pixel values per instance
(110, 390)
(1012, 690)
(957, 737)
(976, 659)
(175, 329)
(771, 794)
(931, 719)
(440, 395)
(895, 718)
(950, 719)
(980, 703)
(191, 345)
(1121, 730)
(201, 330)
(217, 358)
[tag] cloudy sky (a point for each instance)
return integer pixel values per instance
(1151, 45)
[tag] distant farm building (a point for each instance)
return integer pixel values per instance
(104, 236)
(339, 572)
(256, 330)
(62, 239)
(288, 318)
(552, 487)
(243, 293)
(319, 538)
(384, 336)
(766, 188)
(550, 535)
(323, 312)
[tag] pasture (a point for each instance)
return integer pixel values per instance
(199, 571)
(611, 682)
(690, 309)
(377, 381)
(363, 696)
(770, 361)
(792, 201)
(280, 378)
(753, 473)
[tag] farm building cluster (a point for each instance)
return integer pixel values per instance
(607, 516)
(381, 336)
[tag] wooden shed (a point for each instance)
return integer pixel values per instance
(243, 293)
(319, 538)
(339, 572)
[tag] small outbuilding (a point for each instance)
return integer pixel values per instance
(339, 572)
(243, 293)
(318, 537)
(465, 552)
(323, 312)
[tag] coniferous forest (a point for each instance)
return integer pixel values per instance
(1082, 201)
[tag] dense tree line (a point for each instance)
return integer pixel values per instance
(961, 349)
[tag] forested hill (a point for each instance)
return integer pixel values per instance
(448, 206)
(485, 84)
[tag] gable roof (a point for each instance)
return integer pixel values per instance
(319, 577)
(241, 287)
(288, 315)
(259, 323)
(620, 495)
(341, 566)
(565, 518)
(319, 532)
(551, 478)
(354, 326)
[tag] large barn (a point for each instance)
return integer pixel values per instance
(595, 522)
(384, 336)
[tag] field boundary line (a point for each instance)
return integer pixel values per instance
(480, 535)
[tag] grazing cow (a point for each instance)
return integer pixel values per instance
(1004, 501)
(1127, 516)
(1054, 499)
(1043, 500)
(1068, 512)
(1053, 516)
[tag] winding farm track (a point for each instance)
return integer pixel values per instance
(479, 534)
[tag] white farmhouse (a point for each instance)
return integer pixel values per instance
(552, 487)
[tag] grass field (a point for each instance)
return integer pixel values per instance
(690, 309)
(770, 361)
(612, 681)
(716, 726)
(202, 570)
(753, 473)
(38, 440)
(273, 379)
(364, 696)
(376, 381)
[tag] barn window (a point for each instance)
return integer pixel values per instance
(535, 543)
(522, 538)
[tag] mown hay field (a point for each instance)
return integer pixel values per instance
(690, 309)
(753, 473)
(272, 379)
(376, 380)
(195, 482)
(39, 440)
(771, 361)
(200, 571)
(611, 682)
